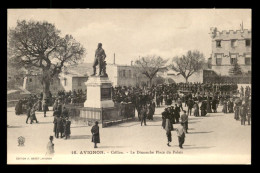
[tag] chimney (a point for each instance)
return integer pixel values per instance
(241, 27)
(114, 58)
(131, 63)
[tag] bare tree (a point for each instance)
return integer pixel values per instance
(150, 65)
(39, 45)
(188, 64)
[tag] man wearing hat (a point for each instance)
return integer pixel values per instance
(45, 107)
(184, 120)
(190, 104)
(95, 134)
(143, 114)
(167, 125)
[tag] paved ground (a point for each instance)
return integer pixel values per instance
(216, 138)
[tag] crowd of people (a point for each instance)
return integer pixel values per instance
(200, 99)
(240, 106)
(69, 97)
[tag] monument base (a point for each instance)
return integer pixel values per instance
(99, 104)
(99, 93)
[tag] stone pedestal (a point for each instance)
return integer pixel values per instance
(99, 93)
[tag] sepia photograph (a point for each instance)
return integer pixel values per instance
(129, 86)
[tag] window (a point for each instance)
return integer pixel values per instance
(248, 42)
(247, 61)
(130, 74)
(218, 59)
(30, 80)
(233, 43)
(218, 43)
(233, 59)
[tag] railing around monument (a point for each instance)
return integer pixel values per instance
(122, 112)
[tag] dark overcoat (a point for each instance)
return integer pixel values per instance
(19, 108)
(95, 134)
(32, 115)
(45, 106)
(67, 127)
(55, 124)
(59, 125)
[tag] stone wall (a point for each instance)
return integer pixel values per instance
(196, 77)
(224, 70)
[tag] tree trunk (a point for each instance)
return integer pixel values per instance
(186, 79)
(150, 82)
(46, 84)
(46, 88)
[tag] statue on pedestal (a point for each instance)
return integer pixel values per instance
(100, 61)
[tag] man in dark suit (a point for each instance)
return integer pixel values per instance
(59, 128)
(177, 111)
(190, 104)
(143, 115)
(243, 113)
(184, 120)
(45, 107)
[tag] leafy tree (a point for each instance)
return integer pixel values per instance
(188, 64)
(236, 69)
(150, 65)
(39, 45)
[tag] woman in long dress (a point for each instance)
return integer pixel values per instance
(224, 110)
(19, 108)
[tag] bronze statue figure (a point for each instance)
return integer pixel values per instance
(100, 61)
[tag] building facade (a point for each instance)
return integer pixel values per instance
(229, 47)
(74, 78)
(123, 75)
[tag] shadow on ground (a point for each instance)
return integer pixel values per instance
(215, 115)
(15, 126)
(40, 122)
(199, 132)
(192, 122)
(190, 147)
(124, 125)
(78, 126)
(81, 137)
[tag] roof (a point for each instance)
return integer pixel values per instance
(79, 70)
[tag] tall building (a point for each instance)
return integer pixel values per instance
(228, 47)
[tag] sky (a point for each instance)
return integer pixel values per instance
(133, 33)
